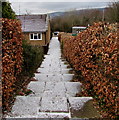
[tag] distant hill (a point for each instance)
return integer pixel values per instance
(56, 14)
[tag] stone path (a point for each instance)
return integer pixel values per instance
(53, 94)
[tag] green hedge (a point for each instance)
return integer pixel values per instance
(32, 58)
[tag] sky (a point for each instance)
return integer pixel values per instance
(61, 0)
(48, 6)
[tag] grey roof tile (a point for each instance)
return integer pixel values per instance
(33, 23)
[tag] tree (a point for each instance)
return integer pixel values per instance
(0, 9)
(7, 11)
(113, 12)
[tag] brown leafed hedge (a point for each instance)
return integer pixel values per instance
(11, 58)
(94, 53)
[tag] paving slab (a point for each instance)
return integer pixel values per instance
(42, 70)
(37, 87)
(55, 89)
(54, 78)
(26, 106)
(41, 77)
(49, 70)
(50, 86)
(78, 102)
(54, 104)
(49, 77)
(72, 88)
(83, 107)
(49, 61)
(67, 77)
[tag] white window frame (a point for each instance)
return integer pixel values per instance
(34, 35)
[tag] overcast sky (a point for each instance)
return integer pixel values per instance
(62, 0)
(48, 6)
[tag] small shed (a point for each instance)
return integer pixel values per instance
(55, 33)
(78, 29)
(36, 29)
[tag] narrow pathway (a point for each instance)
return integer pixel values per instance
(53, 94)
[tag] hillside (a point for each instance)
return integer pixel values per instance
(57, 14)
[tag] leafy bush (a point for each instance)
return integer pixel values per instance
(11, 58)
(94, 53)
(7, 11)
(32, 58)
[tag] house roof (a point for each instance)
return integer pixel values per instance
(34, 23)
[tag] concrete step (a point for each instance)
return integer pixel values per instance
(52, 70)
(25, 105)
(53, 77)
(40, 116)
(53, 95)
(54, 89)
(54, 115)
(54, 104)
(72, 88)
(82, 107)
(77, 103)
(49, 63)
(67, 77)
(37, 107)
(37, 87)
(48, 77)
(47, 107)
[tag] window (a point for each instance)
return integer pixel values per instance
(36, 36)
(31, 36)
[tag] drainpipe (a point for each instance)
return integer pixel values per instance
(45, 39)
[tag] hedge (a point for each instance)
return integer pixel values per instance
(11, 58)
(94, 54)
(32, 58)
(20, 61)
